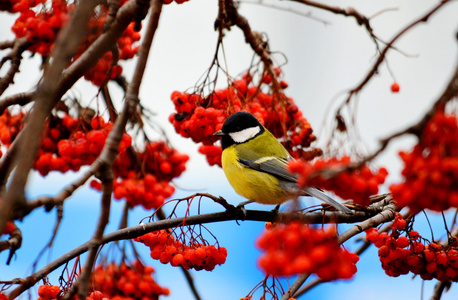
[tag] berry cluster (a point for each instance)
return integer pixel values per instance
(48, 292)
(125, 282)
(41, 29)
(10, 125)
(146, 191)
(295, 248)
(3, 296)
(198, 117)
(431, 168)
(212, 153)
(162, 160)
(106, 67)
(401, 254)
(69, 143)
(165, 248)
(147, 182)
(356, 184)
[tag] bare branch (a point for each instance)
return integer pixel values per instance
(17, 99)
(13, 243)
(388, 46)
(15, 57)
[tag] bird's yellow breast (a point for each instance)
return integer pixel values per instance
(251, 184)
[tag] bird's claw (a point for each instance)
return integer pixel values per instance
(241, 210)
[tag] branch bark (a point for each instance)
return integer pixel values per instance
(228, 215)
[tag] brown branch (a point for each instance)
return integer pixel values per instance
(82, 284)
(13, 243)
(7, 44)
(348, 12)
(138, 230)
(439, 289)
(49, 202)
(17, 99)
(15, 56)
(45, 98)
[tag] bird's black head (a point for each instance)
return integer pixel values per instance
(239, 128)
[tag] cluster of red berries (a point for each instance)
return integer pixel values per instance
(401, 254)
(431, 168)
(356, 184)
(3, 296)
(212, 153)
(10, 125)
(41, 28)
(126, 47)
(162, 160)
(147, 191)
(167, 249)
(198, 117)
(126, 282)
(296, 248)
(48, 292)
(148, 182)
(69, 144)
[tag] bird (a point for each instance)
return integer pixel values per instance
(255, 164)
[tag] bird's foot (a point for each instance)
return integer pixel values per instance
(241, 210)
(276, 209)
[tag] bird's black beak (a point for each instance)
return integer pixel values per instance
(219, 133)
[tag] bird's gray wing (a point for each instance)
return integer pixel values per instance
(277, 167)
(271, 165)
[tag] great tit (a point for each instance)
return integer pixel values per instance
(254, 162)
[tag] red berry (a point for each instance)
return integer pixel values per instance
(395, 87)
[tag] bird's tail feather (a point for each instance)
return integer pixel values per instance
(314, 192)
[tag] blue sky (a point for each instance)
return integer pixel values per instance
(323, 62)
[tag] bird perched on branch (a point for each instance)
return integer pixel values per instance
(254, 162)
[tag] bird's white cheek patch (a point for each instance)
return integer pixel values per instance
(245, 134)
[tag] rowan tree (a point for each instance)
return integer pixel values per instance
(87, 120)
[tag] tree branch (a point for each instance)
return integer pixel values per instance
(388, 46)
(45, 98)
(228, 215)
